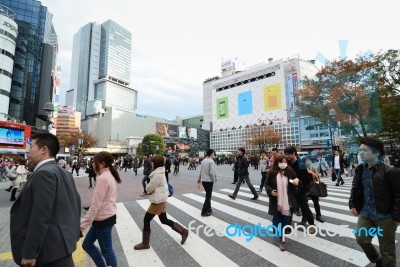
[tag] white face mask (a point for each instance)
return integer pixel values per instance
(282, 166)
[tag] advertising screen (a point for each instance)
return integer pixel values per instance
(11, 136)
(187, 132)
(167, 130)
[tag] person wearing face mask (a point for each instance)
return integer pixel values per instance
(375, 200)
(281, 186)
(243, 174)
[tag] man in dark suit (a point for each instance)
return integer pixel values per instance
(167, 164)
(45, 218)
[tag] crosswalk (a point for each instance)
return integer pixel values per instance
(208, 247)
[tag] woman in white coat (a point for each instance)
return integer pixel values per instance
(22, 174)
(157, 190)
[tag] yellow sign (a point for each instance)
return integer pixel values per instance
(272, 97)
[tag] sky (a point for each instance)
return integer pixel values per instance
(177, 44)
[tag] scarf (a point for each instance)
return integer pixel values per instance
(283, 199)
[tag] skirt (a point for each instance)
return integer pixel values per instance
(157, 209)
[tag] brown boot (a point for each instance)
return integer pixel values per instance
(145, 241)
(144, 194)
(183, 231)
(282, 245)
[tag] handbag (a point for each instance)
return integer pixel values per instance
(334, 178)
(170, 190)
(318, 189)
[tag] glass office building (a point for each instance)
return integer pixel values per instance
(34, 28)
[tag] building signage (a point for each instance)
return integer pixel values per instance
(9, 25)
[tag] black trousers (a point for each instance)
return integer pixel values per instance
(64, 262)
(208, 187)
(263, 180)
(163, 219)
(302, 202)
(90, 180)
(166, 175)
(317, 208)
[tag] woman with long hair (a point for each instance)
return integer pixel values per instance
(315, 200)
(281, 186)
(22, 174)
(157, 189)
(102, 212)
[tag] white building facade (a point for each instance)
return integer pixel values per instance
(8, 37)
(244, 102)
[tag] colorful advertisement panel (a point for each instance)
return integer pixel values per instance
(70, 110)
(245, 103)
(272, 97)
(167, 130)
(222, 108)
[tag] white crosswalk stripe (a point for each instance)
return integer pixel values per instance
(226, 212)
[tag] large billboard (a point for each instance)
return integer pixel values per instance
(187, 132)
(254, 96)
(167, 130)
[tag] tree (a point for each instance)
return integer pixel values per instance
(387, 67)
(263, 139)
(349, 87)
(152, 144)
(72, 138)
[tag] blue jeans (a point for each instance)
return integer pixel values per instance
(280, 218)
(338, 173)
(104, 237)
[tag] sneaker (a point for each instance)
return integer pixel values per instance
(342, 183)
(233, 197)
(337, 184)
(319, 218)
(207, 214)
(255, 198)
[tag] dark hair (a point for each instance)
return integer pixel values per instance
(209, 152)
(274, 149)
(275, 167)
(373, 143)
(290, 150)
(20, 161)
(263, 151)
(47, 140)
(106, 158)
(241, 149)
(166, 155)
(146, 154)
(158, 161)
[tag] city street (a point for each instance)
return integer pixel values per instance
(201, 249)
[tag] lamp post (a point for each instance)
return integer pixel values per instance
(48, 110)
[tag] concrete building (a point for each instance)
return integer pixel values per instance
(8, 37)
(101, 69)
(68, 120)
(258, 97)
(34, 59)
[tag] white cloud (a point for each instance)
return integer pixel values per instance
(177, 44)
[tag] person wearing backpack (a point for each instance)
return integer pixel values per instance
(157, 189)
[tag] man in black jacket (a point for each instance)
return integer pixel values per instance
(304, 188)
(45, 218)
(167, 164)
(147, 168)
(375, 199)
(243, 174)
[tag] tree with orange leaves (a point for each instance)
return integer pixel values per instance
(264, 138)
(72, 138)
(349, 87)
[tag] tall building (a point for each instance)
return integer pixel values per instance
(239, 105)
(101, 69)
(8, 38)
(68, 120)
(34, 59)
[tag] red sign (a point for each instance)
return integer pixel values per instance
(14, 135)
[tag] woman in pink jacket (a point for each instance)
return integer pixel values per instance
(102, 212)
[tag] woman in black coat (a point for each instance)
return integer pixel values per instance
(281, 186)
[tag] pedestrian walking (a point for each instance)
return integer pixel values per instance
(243, 175)
(322, 166)
(281, 186)
(315, 199)
(304, 190)
(338, 168)
(208, 176)
(146, 172)
(167, 166)
(158, 191)
(44, 224)
(75, 166)
(102, 212)
(264, 165)
(92, 173)
(375, 200)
